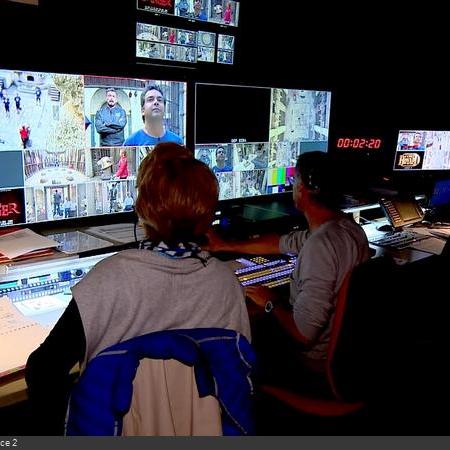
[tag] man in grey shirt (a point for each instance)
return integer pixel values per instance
(331, 247)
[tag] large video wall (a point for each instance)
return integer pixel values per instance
(70, 145)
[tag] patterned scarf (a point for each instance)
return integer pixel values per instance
(181, 250)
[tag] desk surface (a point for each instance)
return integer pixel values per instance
(13, 387)
(400, 256)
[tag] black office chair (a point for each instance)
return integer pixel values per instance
(355, 348)
(446, 251)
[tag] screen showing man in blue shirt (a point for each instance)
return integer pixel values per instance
(154, 131)
(221, 161)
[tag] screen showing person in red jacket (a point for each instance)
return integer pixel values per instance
(24, 132)
(228, 14)
(122, 170)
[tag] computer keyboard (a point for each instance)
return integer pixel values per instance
(266, 271)
(398, 239)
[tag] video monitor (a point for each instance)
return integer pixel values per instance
(222, 12)
(169, 44)
(251, 136)
(187, 33)
(72, 144)
(441, 194)
(402, 211)
(422, 150)
(225, 49)
(174, 44)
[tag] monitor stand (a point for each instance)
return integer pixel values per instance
(257, 213)
(246, 220)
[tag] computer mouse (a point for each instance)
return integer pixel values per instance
(385, 228)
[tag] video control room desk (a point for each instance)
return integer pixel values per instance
(12, 386)
(371, 217)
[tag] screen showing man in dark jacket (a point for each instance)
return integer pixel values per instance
(110, 121)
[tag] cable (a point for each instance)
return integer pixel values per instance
(135, 223)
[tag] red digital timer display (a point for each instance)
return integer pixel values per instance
(359, 143)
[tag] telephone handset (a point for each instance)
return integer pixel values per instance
(402, 211)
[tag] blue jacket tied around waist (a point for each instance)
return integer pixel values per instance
(222, 359)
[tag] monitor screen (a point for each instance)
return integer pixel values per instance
(251, 137)
(408, 211)
(187, 32)
(401, 211)
(73, 143)
(178, 45)
(441, 194)
(221, 12)
(422, 150)
(182, 46)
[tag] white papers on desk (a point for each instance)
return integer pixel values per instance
(77, 242)
(19, 336)
(23, 241)
(433, 244)
(121, 233)
(440, 232)
(44, 304)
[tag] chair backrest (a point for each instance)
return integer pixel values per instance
(353, 331)
(166, 402)
(336, 328)
(222, 360)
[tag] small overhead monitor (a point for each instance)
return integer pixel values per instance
(163, 44)
(422, 150)
(251, 136)
(187, 33)
(220, 12)
(71, 145)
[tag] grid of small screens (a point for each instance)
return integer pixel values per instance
(222, 12)
(251, 137)
(199, 31)
(184, 46)
(70, 145)
(422, 150)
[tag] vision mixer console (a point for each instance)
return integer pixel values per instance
(42, 290)
(269, 271)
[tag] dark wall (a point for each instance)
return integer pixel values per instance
(383, 68)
